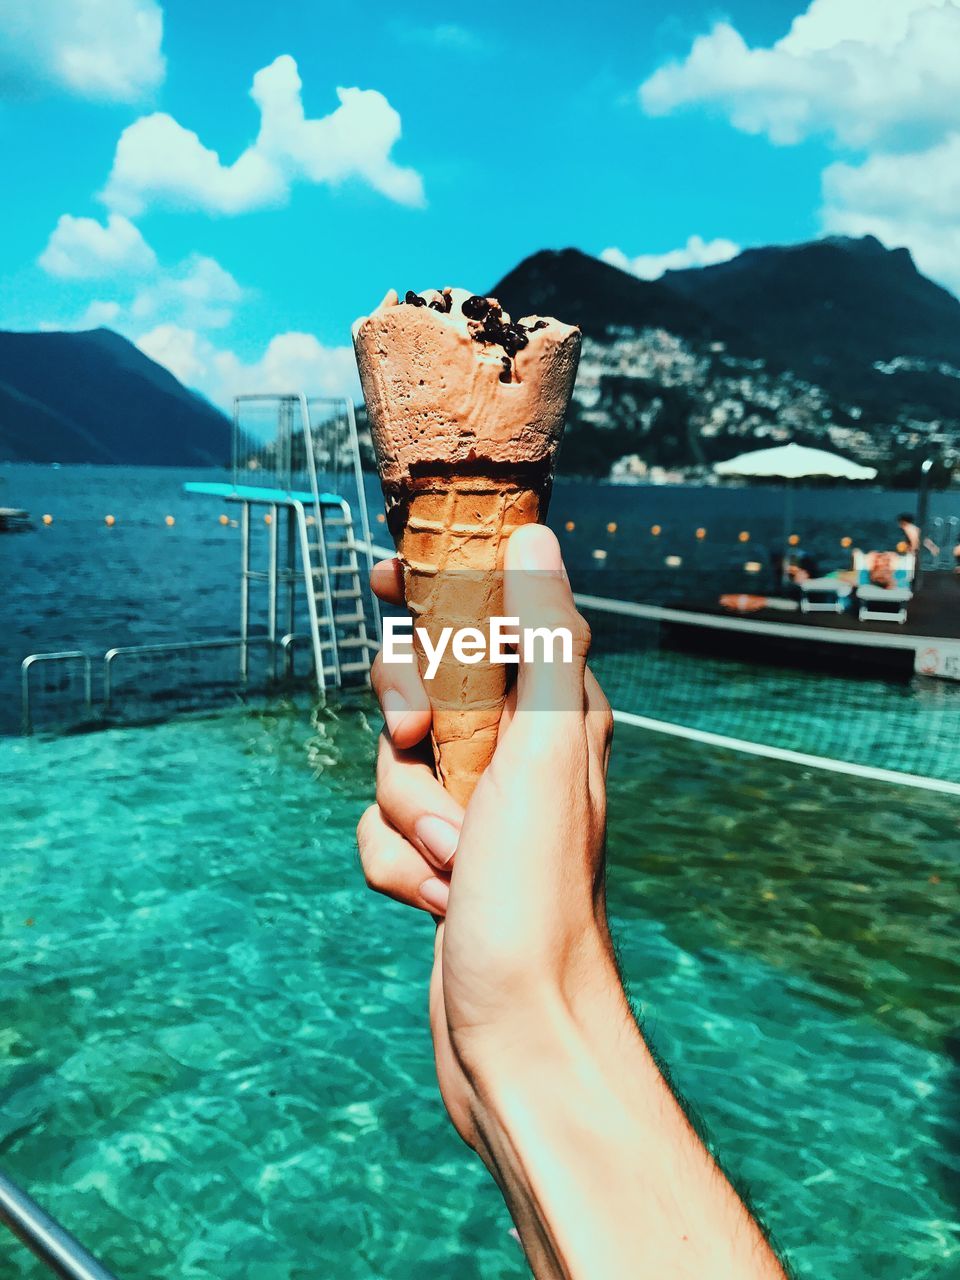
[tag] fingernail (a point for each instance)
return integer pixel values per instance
(539, 549)
(438, 837)
(436, 894)
(395, 707)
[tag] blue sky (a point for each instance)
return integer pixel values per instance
(623, 128)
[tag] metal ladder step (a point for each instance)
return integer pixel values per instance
(349, 668)
(352, 642)
(348, 593)
(337, 568)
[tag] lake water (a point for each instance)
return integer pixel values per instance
(80, 584)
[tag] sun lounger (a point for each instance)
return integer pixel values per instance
(884, 604)
(825, 595)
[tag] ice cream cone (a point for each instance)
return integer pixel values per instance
(466, 455)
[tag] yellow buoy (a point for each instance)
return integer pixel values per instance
(569, 526)
(169, 521)
(48, 519)
(701, 533)
(656, 530)
(753, 566)
(381, 518)
(794, 539)
(744, 535)
(109, 520)
(846, 542)
(224, 519)
(903, 548)
(612, 527)
(268, 518)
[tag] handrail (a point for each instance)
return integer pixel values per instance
(63, 655)
(311, 593)
(362, 505)
(182, 646)
(307, 429)
(45, 1237)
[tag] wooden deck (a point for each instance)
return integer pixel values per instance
(928, 642)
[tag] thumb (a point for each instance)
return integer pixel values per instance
(554, 638)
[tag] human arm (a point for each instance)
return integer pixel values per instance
(541, 1064)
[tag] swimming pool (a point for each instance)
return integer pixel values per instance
(215, 1058)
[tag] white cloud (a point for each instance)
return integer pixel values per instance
(883, 70)
(697, 252)
(101, 49)
(291, 362)
(198, 294)
(99, 315)
(84, 249)
(158, 161)
(911, 199)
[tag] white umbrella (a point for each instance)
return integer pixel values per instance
(793, 462)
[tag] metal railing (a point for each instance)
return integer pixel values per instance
(45, 1237)
(63, 656)
(107, 665)
(183, 646)
(944, 532)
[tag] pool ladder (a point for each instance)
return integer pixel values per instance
(335, 579)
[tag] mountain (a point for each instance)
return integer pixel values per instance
(831, 309)
(573, 286)
(94, 397)
(840, 343)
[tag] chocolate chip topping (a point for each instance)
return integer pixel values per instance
(487, 324)
(475, 307)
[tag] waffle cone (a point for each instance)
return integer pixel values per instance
(451, 537)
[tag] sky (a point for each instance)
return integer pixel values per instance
(231, 185)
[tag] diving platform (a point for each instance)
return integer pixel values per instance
(303, 582)
(286, 449)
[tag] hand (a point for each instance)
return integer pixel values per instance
(541, 1065)
(521, 900)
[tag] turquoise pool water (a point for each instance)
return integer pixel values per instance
(214, 1058)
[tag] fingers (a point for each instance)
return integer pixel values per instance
(599, 721)
(403, 700)
(415, 804)
(537, 592)
(386, 581)
(393, 867)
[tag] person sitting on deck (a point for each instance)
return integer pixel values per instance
(912, 535)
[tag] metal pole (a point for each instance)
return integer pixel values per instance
(291, 585)
(362, 504)
(272, 590)
(787, 522)
(923, 502)
(244, 587)
(45, 1237)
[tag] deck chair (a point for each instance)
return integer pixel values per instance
(884, 604)
(825, 595)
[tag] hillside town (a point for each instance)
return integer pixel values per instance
(657, 408)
